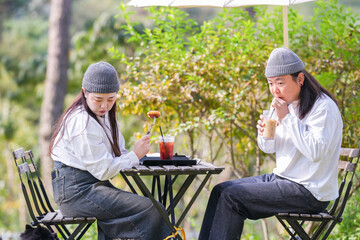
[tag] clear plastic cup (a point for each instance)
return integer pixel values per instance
(269, 125)
(166, 146)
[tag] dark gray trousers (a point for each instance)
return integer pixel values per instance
(120, 214)
(255, 197)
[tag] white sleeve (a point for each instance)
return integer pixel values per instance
(122, 144)
(317, 134)
(96, 158)
(267, 146)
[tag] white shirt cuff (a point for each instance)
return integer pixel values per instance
(134, 160)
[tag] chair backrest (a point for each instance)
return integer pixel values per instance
(349, 158)
(37, 201)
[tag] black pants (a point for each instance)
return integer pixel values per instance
(255, 197)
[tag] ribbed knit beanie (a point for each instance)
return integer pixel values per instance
(283, 61)
(101, 77)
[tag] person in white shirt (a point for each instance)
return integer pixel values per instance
(88, 150)
(307, 146)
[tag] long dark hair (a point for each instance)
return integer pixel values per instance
(79, 101)
(311, 90)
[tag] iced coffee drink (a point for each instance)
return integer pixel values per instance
(269, 129)
(269, 126)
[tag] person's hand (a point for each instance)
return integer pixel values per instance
(142, 146)
(260, 125)
(281, 107)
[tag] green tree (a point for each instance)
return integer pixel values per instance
(8, 8)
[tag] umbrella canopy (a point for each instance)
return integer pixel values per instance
(223, 3)
(212, 3)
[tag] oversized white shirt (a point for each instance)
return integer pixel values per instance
(85, 146)
(307, 150)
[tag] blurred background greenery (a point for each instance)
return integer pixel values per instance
(201, 67)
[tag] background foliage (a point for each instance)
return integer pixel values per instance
(209, 83)
(205, 75)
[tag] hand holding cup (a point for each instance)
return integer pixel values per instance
(267, 126)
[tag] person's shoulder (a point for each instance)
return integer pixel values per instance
(80, 122)
(327, 106)
(327, 102)
(81, 117)
(77, 116)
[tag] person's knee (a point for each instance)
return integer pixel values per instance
(155, 210)
(219, 188)
(236, 200)
(229, 196)
(234, 197)
(145, 203)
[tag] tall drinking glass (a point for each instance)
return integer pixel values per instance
(166, 145)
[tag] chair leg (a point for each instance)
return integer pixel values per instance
(84, 231)
(319, 230)
(298, 229)
(328, 231)
(64, 232)
(77, 234)
(77, 231)
(292, 235)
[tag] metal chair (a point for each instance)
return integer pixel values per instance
(38, 204)
(324, 223)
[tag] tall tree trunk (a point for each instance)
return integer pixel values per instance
(56, 81)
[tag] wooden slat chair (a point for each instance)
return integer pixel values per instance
(325, 221)
(38, 204)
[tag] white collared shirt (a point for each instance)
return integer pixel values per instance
(85, 146)
(307, 150)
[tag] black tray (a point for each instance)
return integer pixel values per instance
(178, 160)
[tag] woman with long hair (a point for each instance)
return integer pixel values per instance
(88, 150)
(307, 146)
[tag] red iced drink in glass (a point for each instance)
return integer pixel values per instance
(166, 145)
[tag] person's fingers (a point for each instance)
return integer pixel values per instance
(142, 147)
(259, 126)
(273, 101)
(146, 137)
(278, 102)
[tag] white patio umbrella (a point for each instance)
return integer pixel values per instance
(222, 4)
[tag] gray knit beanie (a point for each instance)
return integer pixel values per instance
(283, 61)
(101, 77)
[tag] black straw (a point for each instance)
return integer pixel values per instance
(161, 133)
(163, 139)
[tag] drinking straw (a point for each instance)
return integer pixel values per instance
(163, 139)
(273, 110)
(161, 133)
